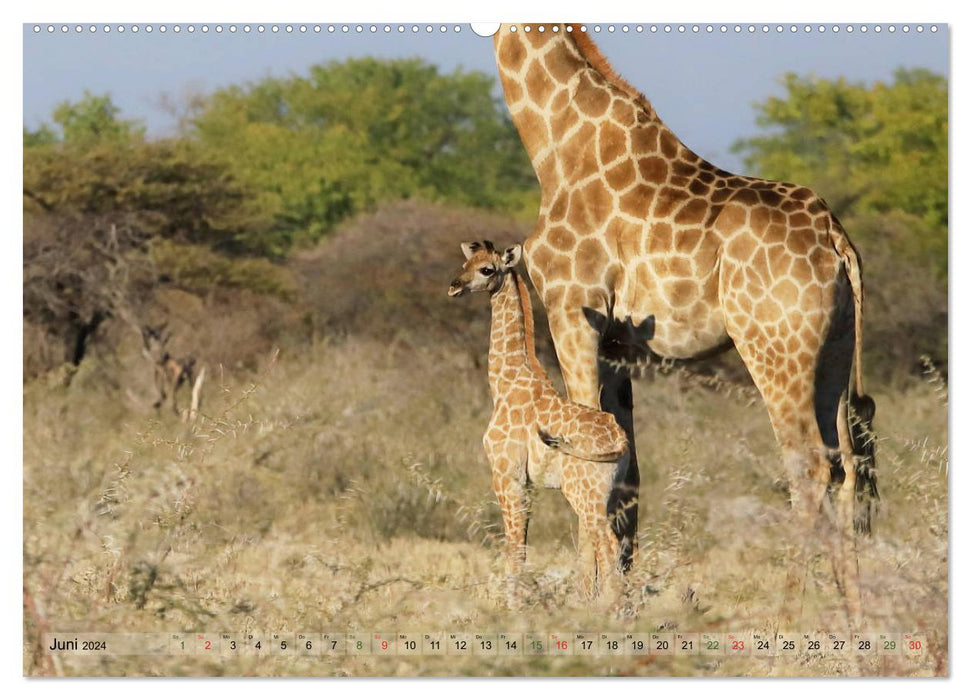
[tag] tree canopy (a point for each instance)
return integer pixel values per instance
(321, 147)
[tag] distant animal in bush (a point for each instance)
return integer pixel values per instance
(535, 436)
(171, 373)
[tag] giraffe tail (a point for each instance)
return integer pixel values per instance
(861, 406)
(586, 450)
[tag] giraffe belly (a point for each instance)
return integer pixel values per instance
(682, 339)
(544, 466)
(677, 333)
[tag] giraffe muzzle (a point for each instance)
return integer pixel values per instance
(456, 289)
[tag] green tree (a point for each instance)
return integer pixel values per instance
(870, 150)
(349, 135)
(175, 190)
(90, 121)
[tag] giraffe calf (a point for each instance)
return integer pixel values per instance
(535, 436)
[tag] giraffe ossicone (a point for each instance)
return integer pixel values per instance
(535, 436)
(634, 226)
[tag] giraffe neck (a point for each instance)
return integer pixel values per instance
(507, 343)
(554, 83)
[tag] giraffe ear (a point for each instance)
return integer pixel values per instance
(469, 248)
(511, 256)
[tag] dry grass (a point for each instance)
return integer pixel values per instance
(344, 488)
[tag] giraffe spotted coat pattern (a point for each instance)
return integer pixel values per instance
(535, 436)
(633, 225)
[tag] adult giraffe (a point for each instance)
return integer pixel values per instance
(635, 227)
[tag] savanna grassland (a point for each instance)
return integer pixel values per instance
(295, 238)
(334, 481)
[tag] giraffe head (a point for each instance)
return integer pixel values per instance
(485, 267)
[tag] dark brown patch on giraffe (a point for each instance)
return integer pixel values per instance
(668, 200)
(790, 206)
(539, 87)
(520, 396)
(512, 90)
(558, 210)
(746, 196)
(622, 238)
(800, 220)
(683, 168)
(720, 195)
(590, 260)
(680, 266)
(589, 98)
(697, 187)
(770, 198)
(786, 292)
(612, 142)
(560, 100)
(775, 233)
(779, 259)
(687, 240)
(541, 259)
(578, 156)
(764, 311)
(623, 113)
(621, 175)
(590, 207)
(562, 122)
(554, 299)
(692, 212)
(731, 219)
(801, 271)
(669, 144)
(713, 212)
(536, 38)
(706, 177)
(800, 240)
(643, 139)
(533, 129)
(653, 169)
(637, 201)
(815, 207)
(660, 239)
(563, 65)
(802, 194)
(824, 263)
(576, 296)
(546, 170)
(679, 181)
(512, 52)
(741, 247)
(680, 292)
(759, 219)
(561, 238)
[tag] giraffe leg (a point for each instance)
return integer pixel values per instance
(592, 383)
(787, 386)
(572, 486)
(808, 476)
(617, 397)
(513, 498)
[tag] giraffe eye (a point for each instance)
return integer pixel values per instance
(486, 271)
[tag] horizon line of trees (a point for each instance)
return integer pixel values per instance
(261, 170)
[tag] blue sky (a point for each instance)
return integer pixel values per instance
(703, 85)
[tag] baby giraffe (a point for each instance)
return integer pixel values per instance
(535, 436)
